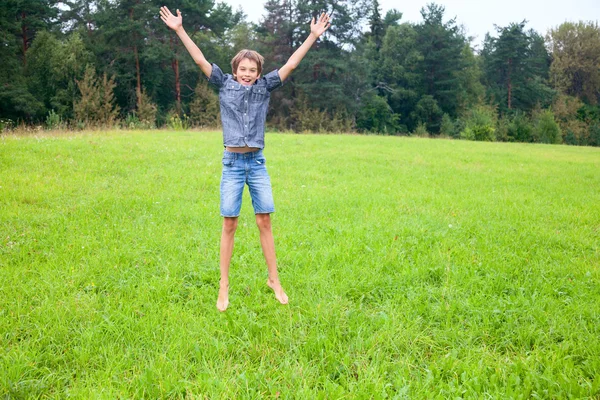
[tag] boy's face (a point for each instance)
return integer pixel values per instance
(247, 72)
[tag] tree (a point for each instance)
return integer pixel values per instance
(441, 45)
(20, 21)
(96, 104)
(576, 59)
(376, 25)
(516, 68)
(204, 109)
(399, 75)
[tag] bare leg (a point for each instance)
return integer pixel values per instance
(268, 246)
(227, 237)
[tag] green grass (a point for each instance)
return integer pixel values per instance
(415, 268)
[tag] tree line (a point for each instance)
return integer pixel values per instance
(80, 63)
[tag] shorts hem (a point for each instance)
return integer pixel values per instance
(264, 212)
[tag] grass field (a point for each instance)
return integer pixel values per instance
(416, 269)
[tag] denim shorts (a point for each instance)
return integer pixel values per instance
(240, 169)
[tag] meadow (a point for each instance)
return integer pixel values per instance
(416, 269)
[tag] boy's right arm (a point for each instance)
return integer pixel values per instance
(175, 23)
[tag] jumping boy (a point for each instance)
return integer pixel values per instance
(244, 98)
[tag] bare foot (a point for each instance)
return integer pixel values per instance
(223, 300)
(279, 293)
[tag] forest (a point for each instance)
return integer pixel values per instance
(77, 64)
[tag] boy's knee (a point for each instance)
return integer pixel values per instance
(263, 221)
(230, 224)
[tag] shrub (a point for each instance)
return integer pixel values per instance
(594, 134)
(96, 105)
(146, 111)
(6, 124)
(341, 121)
(421, 130)
(447, 126)
(175, 122)
(54, 121)
(480, 124)
(376, 116)
(502, 129)
(204, 109)
(546, 130)
(520, 128)
(428, 112)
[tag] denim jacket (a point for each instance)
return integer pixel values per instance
(244, 108)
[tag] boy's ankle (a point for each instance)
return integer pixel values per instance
(223, 283)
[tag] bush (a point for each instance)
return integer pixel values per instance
(376, 116)
(96, 106)
(421, 130)
(133, 122)
(204, 109)
(175, 122)
(307, 119)
(447, 126)
(502, 127)
(576, 132)
(546, 130)
(480, 124)
(520, 128)
(146, 112)
(54, 121)
(341, 121)
(594, 134)
(6, 124)
(428, 111)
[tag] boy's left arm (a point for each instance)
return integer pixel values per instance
(316, 29)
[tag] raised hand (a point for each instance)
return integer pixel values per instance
(173, 22)
(321, 25)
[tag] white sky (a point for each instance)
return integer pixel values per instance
(478, 17)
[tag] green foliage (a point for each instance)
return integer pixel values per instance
(341, 121)
(545, 128)
(469, 79)
(176, 122)
(54, 121)
(204, 109)
(309, 119)
(16, 102)
(594, 134)
(448, 127)
(576, 56)
(146, 111)
(428, 112)
(480, 124)
(376, 116)
(96, 105)
(6, 124)
(516, 65)
(520, 128)
(389, 78)
(441, 45)
(421, 130)
(40, 70)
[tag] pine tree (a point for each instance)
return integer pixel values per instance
(516, 68)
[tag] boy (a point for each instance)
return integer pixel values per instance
(244, 98)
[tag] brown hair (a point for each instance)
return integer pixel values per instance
(250, 55)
